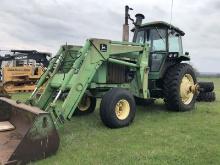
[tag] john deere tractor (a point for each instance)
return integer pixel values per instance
(120, 73)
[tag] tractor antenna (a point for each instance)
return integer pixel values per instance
(171, 13)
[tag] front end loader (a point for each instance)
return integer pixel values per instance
(120, 73)
(26, 133)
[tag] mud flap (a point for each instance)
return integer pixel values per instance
(34, 135)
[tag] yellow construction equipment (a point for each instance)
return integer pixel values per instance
(23, 69)
(20, 78)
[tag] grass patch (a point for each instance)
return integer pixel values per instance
(156, 137)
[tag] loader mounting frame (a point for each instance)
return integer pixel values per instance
(78, 76)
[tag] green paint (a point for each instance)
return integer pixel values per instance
(78, 69)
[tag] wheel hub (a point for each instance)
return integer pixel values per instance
(187, 89)
(122, 109)
(84, 103)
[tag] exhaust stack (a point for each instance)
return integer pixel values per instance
(125, 35)
(139, 18)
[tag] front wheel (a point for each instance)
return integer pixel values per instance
(180, 87)
(87, 105)
(117, 108)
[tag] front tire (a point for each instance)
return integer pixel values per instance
(86, 106)
(180, 87)
(117, 108)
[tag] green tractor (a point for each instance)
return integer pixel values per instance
(120, 73)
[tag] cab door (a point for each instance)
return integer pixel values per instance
(157, 39)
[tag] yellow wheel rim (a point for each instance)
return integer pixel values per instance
(84, 103)
(122, 109)
(186, 86)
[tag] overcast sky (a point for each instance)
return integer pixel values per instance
(45, 25)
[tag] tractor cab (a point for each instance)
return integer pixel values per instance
(161, 37)
(164, 40)
(165, 43)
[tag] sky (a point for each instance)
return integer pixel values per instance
(45, 25)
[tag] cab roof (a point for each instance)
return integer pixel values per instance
(163, 24)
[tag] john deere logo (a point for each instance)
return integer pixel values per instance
(103, 47)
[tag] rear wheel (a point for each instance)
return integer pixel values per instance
(87, 105)
(117, 108)
(180, 88)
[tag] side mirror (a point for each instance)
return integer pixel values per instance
(186, 53)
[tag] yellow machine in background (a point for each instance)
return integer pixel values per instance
(20, 78)
(22, 70)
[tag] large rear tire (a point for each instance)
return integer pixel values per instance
(180, 87)
(117, 108)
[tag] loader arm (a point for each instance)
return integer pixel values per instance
(78, 77)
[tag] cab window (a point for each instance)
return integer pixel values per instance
(156, 38)
(140, 37)
(175, 43)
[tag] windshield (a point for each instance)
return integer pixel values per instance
(155, 37)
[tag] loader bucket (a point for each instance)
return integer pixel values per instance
(26, 133)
